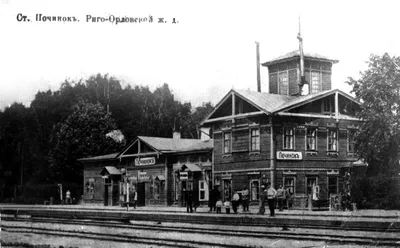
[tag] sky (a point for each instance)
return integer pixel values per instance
(210, 50)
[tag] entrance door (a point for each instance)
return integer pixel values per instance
(141, 191)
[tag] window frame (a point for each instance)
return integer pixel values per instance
(283, 75)
(203, 189)
(307, 186)
(258, 148)
(352, 141)
(315, 137)
(314, 89)
(329, 139)
(224, 143)
(294, 184)
(292, 135)
(257, 188)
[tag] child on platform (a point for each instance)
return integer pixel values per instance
(219, 204)
(227, 205)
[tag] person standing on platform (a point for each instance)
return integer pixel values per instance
(68, 197)
(134, 198)
(235, 201)
(271, 194)
(263, 196)
(189, 200)
(280, 195)
(245, 199)
(214, 196)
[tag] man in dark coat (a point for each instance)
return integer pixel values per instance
(189, 200)
(214, 196)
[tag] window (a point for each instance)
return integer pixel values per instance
(255, 190)
(311, 141)
(310, 182)
(315, 82)
(227, 142)
(283, 83)
(255, 140)
(332, 140)
(351, 142)
(332, 185)
(288, 138)
(329, 106)
(203, 191)
(289, 183)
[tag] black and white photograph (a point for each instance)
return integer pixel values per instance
(221, 124)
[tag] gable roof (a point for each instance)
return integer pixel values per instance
(296, 53)
(110, 170)
(264, 101)
(102, 157)
(171, 145)
(166, 145)
(275, 103)
(300, 100)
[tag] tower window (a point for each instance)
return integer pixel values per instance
(315, 82)
(283, 83)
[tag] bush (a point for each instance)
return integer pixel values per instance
(379, 192)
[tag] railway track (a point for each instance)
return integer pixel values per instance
(328, 236)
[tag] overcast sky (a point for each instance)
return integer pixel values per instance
(209, 51)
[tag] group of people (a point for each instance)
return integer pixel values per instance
(268, 195)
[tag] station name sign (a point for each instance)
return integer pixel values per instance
(145, 161)
(286, 155)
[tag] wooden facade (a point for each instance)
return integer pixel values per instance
(151, 166)
(295, 141)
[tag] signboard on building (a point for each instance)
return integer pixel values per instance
(287, 155)
(183, 175)
(143, 177)
(145, 161)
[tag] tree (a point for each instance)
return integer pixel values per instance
(378, 90)
(82, 134)
(190, 127)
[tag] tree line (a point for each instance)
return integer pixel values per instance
(39, 144)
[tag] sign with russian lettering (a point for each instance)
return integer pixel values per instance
(142, 176)
(145, 161)
(184, 175)
(287, 155)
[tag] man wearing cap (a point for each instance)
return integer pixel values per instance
(271, 194)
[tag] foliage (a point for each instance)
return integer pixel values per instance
(378, 90)
(378, 192)
(39, 144)
(82, 134)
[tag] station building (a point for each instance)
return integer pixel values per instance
(299, 135)
(159, 169)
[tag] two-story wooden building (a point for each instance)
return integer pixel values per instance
(159, 169)
(299, 135)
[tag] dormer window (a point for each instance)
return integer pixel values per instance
(328, 106)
